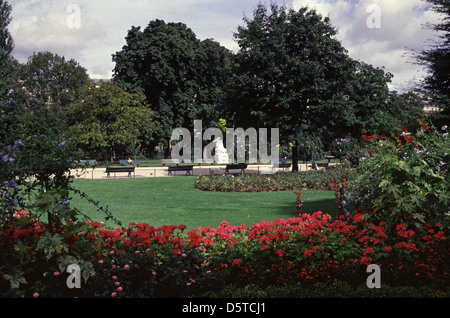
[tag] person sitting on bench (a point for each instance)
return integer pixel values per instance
(131, 162)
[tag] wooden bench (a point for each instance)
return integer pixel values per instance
(115, 170)
(284, 165)
(239, 166)
(169, 161)
(188, 169)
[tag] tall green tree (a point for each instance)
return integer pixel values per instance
(289, 64)
(214, 67)
(6, 48)
(53, 80)
(109, 120)
(180, 75)
(436, 59)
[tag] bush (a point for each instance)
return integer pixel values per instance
(326, 290)
(406, 178)
(280, 181)
(143, 261)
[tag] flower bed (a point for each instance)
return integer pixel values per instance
(143, 261)
(280, 181)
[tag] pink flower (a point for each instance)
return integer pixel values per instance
(113, 295)
(120, 289)
(35, 295)
(126, 267)
(280, 252)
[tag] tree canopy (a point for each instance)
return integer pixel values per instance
(436, 59)
(110, 120)
(180, 75)
(6, 47)
(289, 64)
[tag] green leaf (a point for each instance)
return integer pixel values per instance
(15, 278)
(52, 244)
(384, 182)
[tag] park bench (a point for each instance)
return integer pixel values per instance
(169, 161)
(239, 166)
(115, 170)
(188, 169)
(125, 162)
(284, 165)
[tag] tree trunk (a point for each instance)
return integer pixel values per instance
(295, 158)
(167, 150)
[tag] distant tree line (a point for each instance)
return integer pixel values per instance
(289, 73)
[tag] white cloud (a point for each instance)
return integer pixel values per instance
(52, 30)
(42, 25)
(401, 30)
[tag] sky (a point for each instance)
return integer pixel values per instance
(383, 33)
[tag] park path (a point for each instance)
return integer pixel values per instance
(153, 172)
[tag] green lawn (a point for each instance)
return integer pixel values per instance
(174, 201)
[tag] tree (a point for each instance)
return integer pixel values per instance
(53, 80)
(6, 48)
(214, 65)
(436, 59)
(180, 75)
(289, 64)
(109, 120)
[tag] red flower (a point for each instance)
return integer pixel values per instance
(307, 253)
(280, 252)
(365, 260)
(237, 262)
(358, 218)
(368, 250)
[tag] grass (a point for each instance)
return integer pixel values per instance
(174, 201)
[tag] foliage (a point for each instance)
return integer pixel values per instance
(279, 181)
(182, 83)
(37, 224)
(110, 120)
(289, 63)
(341, 147)
(405, 178)
(143, 261)
(6, 45)
(53, 80)
(436, 58)
(325, 290)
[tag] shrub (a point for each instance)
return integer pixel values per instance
(281, 181)
(143, 261)
(405, 178)
(326, 290)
